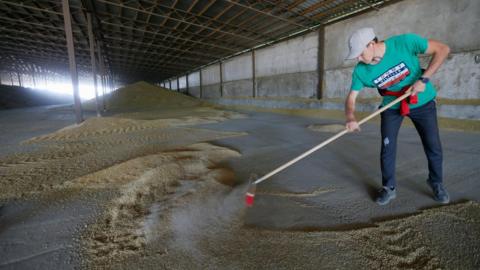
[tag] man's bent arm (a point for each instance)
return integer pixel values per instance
(440, 52)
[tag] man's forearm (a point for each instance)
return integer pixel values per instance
(350, 109)
(351, 123)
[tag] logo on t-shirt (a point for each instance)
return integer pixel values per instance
(392, 76)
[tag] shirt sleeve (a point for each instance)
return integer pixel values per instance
(357, 84)
(415, 43)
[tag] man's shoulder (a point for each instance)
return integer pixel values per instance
(359, 67)
(411, 42)
(406, 37)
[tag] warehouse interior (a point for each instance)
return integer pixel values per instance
(132, 131)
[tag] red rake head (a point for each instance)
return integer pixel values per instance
(250, 194)
(249, 198)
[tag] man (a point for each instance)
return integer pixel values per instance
(392, 66)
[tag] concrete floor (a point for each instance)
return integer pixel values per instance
(332, 189)
(335, 186)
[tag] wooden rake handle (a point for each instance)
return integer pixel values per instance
(333, 138)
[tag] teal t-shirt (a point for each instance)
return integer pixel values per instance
(398, 68)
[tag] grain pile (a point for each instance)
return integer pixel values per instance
(99, 143)
(145, 183)
(144, 96)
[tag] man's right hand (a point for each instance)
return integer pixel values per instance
(352, 126)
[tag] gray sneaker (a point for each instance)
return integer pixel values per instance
(440, 194)
(385, 195)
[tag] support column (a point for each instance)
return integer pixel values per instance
(201, 82)
(112, 78)
(178, 84)
(71, 59)
(104, 89)
(19, 79)
(109, 83)
(254, 80)
(102, 72)
(221, 79)
(188, 86)
(320, 62)
(33, 79)
(169, 84)
(92, 60)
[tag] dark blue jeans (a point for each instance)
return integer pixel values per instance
(425, 120)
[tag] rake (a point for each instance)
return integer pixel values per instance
(252, 186)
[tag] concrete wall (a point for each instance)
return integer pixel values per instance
(211, 75)
(459, 78)
(237, 76)
(211, 81)
(174, 84)
(452, 22)
(194, 84)
(288, 69)
(182, 84)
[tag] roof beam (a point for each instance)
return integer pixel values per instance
(173, 19)
(331, 11)
(147, 31)
(178, 33)
(250, 7)
(316, 6)
(199, 17)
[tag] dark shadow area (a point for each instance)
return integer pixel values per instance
(12, 97)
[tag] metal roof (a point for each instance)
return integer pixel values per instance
(154, 40)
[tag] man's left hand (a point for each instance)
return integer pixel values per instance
(418, 86)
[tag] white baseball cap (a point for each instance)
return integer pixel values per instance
(358, 41)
